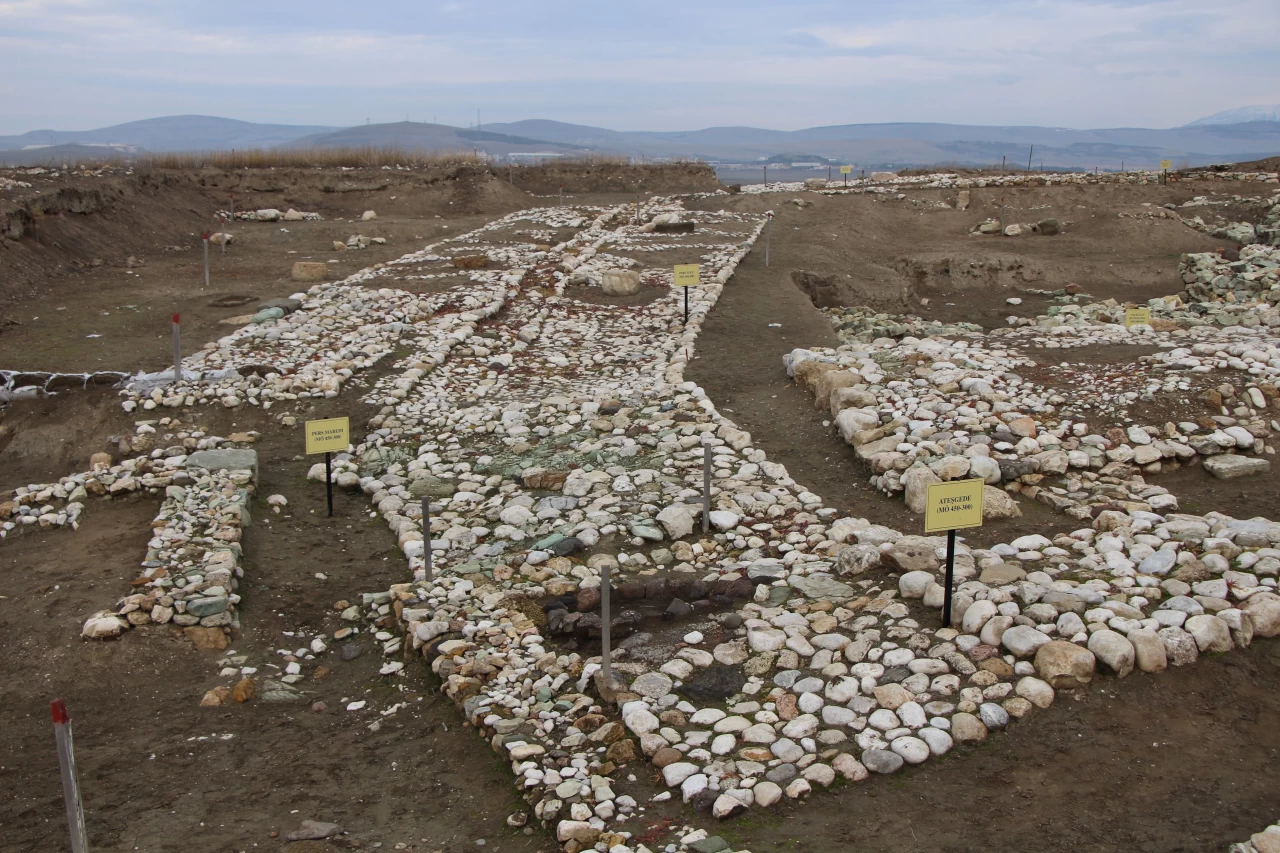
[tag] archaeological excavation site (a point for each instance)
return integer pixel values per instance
(624, 542)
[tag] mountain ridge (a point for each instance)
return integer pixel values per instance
(889, 144)
(1239, 115)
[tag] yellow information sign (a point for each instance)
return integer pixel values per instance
(953, 506)
(844, 170)
(1165, 164)
(331, 435)
(687, 275)
(1137, 317)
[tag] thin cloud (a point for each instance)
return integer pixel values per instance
(1064, 63)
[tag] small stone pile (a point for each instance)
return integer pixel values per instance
(192, 567)
(1254, 278)
(1268, 231)
(270, 214)
(1046, 227)
(859, 324)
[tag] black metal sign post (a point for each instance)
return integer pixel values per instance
(951, 506)
(328, 480)
(950, 577)
(326, 436)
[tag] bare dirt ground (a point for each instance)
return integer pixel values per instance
(161, 773)
(1172, 763)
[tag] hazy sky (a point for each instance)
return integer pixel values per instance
(655, 65)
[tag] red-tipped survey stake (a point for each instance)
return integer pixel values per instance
(70, 781)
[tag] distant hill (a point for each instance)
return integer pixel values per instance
(1259, 112)
(924, 143)
(419, 136)
(883, 145)
(558, 131)
(172, 133)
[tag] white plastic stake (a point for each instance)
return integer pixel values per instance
(70, 781)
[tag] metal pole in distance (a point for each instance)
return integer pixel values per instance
(206, 259)
(950, 578)
(426, 535)
(226, 228)
(328, 480)
(70, 781)
(177, 348)
(606, 653)
(706, 483)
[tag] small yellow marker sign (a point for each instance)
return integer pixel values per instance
(844, 170)
(686, 275)
(1165, 164)
(953, 506)
(331, 435)
(1137, 317)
